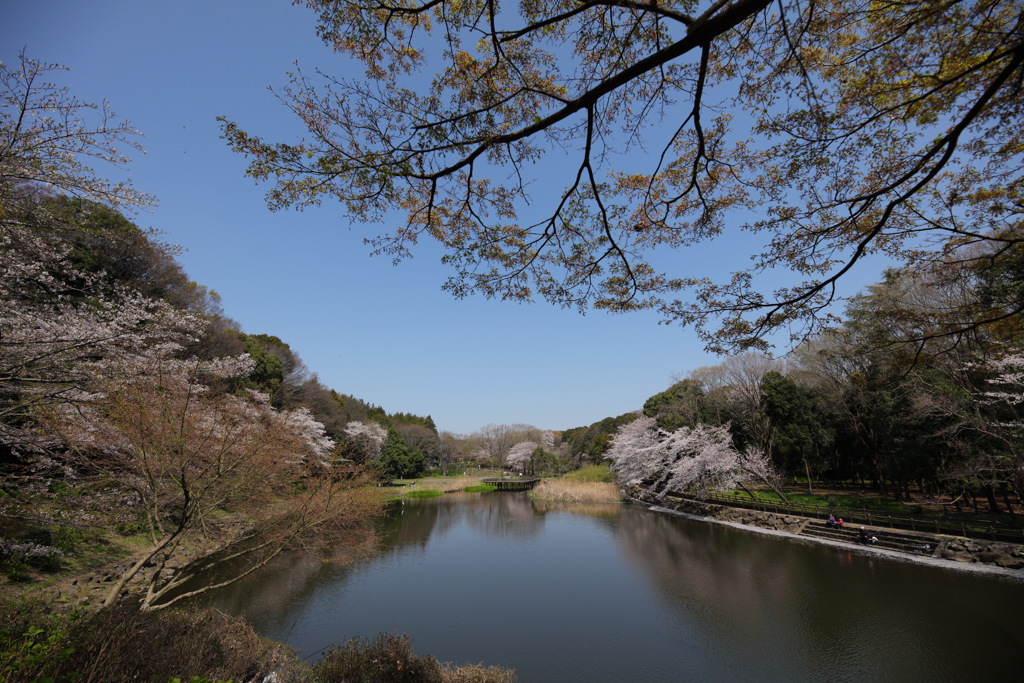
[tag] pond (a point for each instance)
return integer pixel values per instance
(614, 592)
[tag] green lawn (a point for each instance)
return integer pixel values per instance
(839, 500)
(598, 473)
(415, 488)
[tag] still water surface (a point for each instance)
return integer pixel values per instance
(618, 593)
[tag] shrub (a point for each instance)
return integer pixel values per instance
(122, 643)
(130, 528)
(32, 641)
(387, 659)
(37, 536)
(66, 539)
(16, 558)
(390, 658)
(16, 569)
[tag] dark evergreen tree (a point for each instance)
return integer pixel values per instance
(397, 460)
(801, 434)
(269, 371)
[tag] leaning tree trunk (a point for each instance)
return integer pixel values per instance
(132, 572)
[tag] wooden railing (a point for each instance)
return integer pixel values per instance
(864, 516)
(513, 483)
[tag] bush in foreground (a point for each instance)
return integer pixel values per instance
(390, 659)
(122, 643)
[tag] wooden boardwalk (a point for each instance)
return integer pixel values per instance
(513, 483)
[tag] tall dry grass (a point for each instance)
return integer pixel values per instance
(450, 484)
(442, 484)
(569, 491)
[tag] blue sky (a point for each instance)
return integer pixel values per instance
(386, 334)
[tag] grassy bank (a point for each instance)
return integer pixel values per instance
(418, 488)
(840, 499)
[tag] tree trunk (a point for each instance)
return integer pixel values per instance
(1006, 501)
(748, 491)
(993, 504)
(131, 572)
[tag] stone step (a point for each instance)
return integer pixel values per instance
(915, 544)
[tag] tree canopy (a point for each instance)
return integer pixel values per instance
(818, 132)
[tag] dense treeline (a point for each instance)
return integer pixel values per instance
(888, 399)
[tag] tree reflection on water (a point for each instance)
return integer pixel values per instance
(600, 592)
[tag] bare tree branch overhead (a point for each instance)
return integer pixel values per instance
(589, 153)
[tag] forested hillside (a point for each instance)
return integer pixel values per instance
(134, 413)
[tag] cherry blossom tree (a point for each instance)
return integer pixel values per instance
(188, 453)
(547, 440)
(635, 451)
(98, 380)
(59, 321)
(61, 326)
(1007, 388)
(365, 440)
(1003, 396)
(692, 459)
(318, 446)
(519, 455)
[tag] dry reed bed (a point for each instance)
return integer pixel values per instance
(455, 484)
(577, 491)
